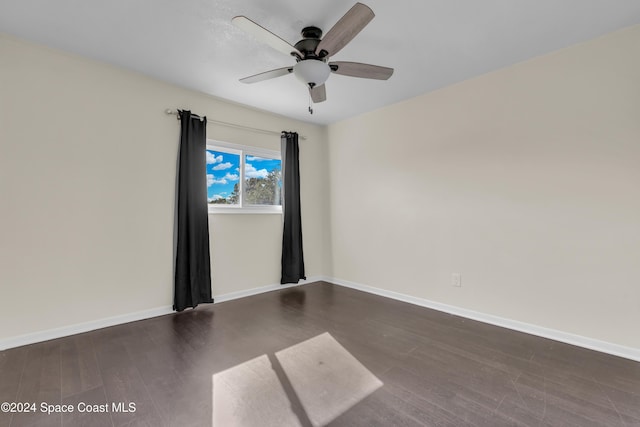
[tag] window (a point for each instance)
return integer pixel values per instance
(243, 179)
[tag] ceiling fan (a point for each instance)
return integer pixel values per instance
(313, 51)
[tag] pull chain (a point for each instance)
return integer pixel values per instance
(310, 109)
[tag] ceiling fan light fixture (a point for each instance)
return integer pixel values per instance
(312, 72)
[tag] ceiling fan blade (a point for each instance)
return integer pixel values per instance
(345, 30)
(357, 69)
(318, 93)
(278, 72)
(264, 35)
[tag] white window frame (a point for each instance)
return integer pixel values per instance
(243, 151)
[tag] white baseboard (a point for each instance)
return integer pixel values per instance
(565, 337)
(269, 288)
(79, 328)
(578, 340)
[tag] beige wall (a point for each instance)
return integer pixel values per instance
(526, 181)
(87, 166)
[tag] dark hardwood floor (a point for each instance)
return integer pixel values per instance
(437, 369)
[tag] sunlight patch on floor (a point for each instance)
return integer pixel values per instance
(326, 378)
(250, 394)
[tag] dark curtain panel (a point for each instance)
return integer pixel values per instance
(292, 257)
(193, 267)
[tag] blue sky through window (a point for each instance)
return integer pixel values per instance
(259, 167)
(223, 171)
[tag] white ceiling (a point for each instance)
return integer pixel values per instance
(430, 43)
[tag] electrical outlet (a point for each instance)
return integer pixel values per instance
(456, 280)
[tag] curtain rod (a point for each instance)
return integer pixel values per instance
(233, 125)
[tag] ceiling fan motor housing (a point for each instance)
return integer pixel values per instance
(311, 38)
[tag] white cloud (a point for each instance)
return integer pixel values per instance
(222, 166)
(252, 172)
(213, 180)
(211, 159)
(231, 176)
(256, 159)
(215, 197)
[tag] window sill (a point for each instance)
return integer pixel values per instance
(244, 211)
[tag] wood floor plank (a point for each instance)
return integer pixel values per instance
(92, 408)
(40, 383)
(477, 382)
(124, 387)
(627, 404)
(79, 365)
(376, 411)
(449, 396)
(12, 363)
(418, 408)
(437, 369)
(184, 403)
